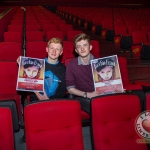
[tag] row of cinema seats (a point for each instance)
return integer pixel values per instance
(60, 127)
(114, 24)
(34, 43)
(8, 78)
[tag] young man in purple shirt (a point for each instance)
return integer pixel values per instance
(79, 78)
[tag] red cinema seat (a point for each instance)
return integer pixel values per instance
(58, 22)
(71, 34)
(138, 38)
(64, 28)
(13, 37)
(56, 126)
(95, 51)
(125, 77)
(49, 27)
(142, 23)
(117, 127)
(10, 51)
(36, 49)
(107, 30)
(52, 34)
(130, 22)
(119, 23)
(16, 28)
(34, 36)
(68, 51)
(6, 129)
(132, 28)
(16, 22)
(45, 21)
(145, 28)
(120, 30)
(32, 28)
(32, 22)
(8, 80)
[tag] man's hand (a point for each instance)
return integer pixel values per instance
(93, 94)
(41, 96)
(18, 60)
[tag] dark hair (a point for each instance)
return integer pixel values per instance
(81, 36)
(29, 62)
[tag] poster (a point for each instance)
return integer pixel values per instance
(31, 74)
(106, 75)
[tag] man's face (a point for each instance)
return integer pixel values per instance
(106, 73)
(54, 51)
(31, 72)
(83, 48)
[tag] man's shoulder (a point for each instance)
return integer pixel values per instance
(73, 61)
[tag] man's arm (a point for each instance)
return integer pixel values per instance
(81, 93)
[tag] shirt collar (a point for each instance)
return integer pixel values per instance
(80, 62)
(46, 59)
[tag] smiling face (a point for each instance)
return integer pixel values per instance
(83, 48)
(31, 72)
(106, 73)
(54, 50)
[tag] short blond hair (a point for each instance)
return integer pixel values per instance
(55, 40)
(81, 36)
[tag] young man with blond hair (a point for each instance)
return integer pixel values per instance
(55, 72)
(79, 80)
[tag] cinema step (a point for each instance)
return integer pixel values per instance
(133, 61)
(139, 72)
(121, 54)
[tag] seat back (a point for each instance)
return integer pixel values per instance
(120, 30)
(16, 28)
(68, 51)
(142, 23)
(34, 36)
(124, 70)
(119, 23)
(133, 28)
(32, 27)
(10, 103)
(71, 34)
(8, 80)
(10, 51)
(13, 37)
(95, 48)
(51, 34)
(36, 49)
(49, 27)
(56, 126)
(139, 37)
(125, 75)
(64, 28)
(8, 77)
(6, 129)
(16, 22)
(145, 28)
(117, 124)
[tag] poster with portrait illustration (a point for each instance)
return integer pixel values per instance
(106, 75)
(31, 74)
